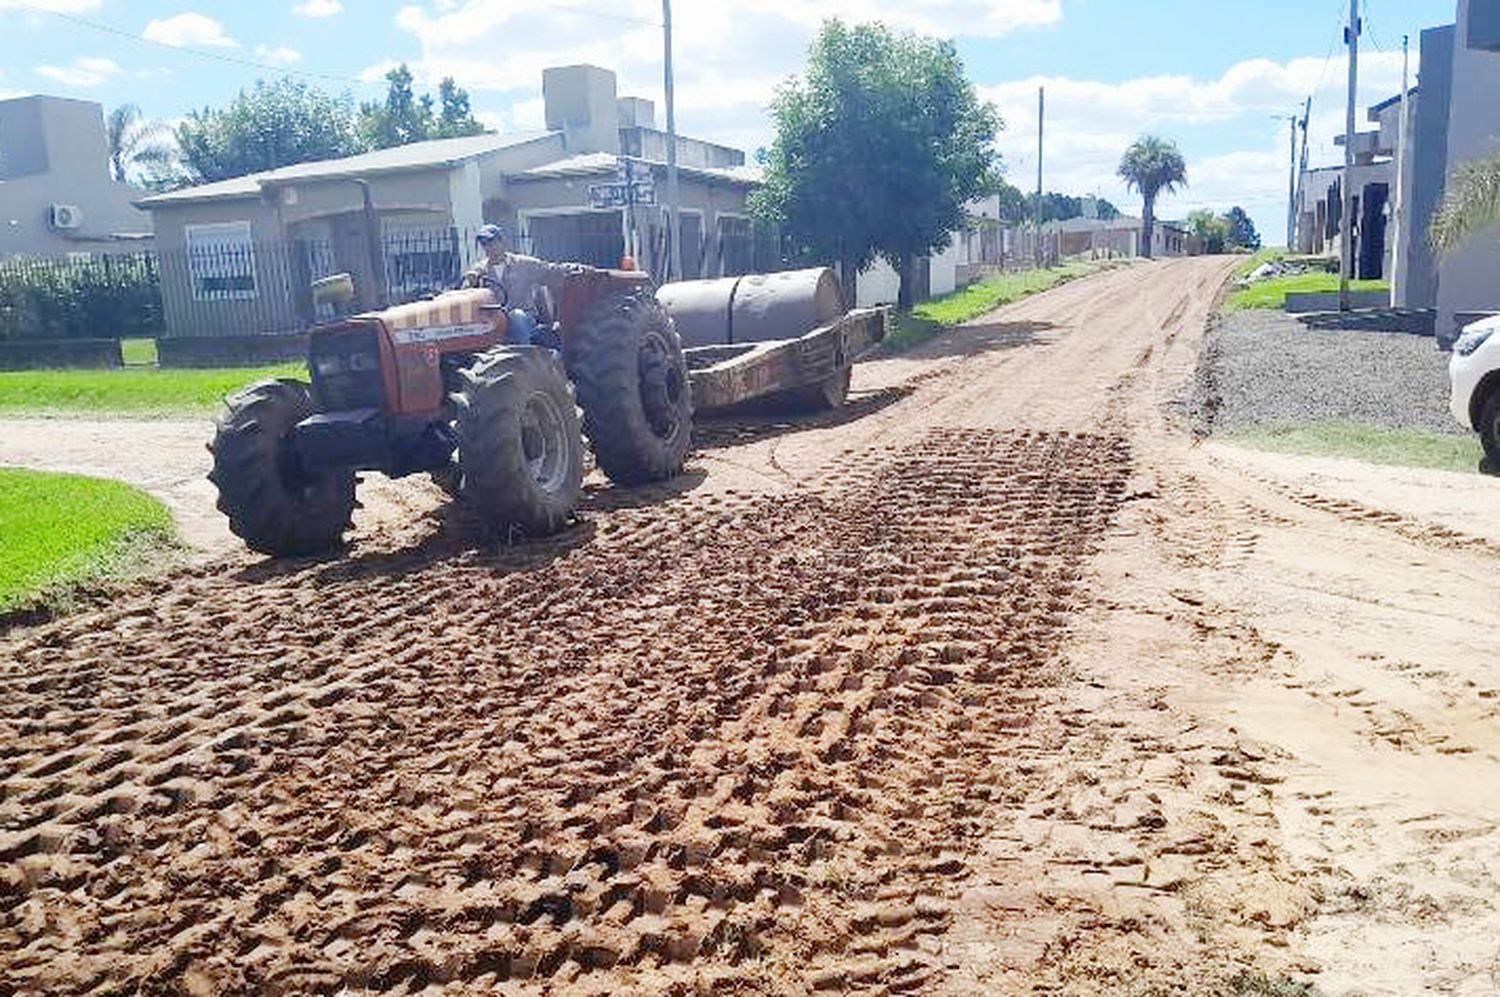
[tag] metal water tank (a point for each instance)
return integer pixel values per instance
(753, 308)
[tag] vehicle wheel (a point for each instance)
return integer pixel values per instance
(520, 454)
(273, 504)
(448, 478)
(626, 361)
(1489, 427)
(821, 397)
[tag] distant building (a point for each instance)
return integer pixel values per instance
(239, 255)
(1454, 117)
(56, 192)
(1121, 236)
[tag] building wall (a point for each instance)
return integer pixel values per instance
(1416, 272)
(708, 201)
(1469, 279)
(648, 143)
(1484, 26)
(54, 151)
(187, 311)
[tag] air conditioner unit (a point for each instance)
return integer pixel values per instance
(65, 216)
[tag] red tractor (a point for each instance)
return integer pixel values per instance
(433, 387)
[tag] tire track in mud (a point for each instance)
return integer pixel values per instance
(729, 739)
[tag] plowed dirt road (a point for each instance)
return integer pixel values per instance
(997, 683)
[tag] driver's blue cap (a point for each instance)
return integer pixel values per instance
(489, 233)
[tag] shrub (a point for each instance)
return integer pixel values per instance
(106, 297)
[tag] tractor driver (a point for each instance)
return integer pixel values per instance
(522, 285)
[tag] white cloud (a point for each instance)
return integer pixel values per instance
(279, 55)
(1090, 123)
(318, 8)
(190, 29)
(376, 73)
(53, 6)
(84, 71)
(730, 54)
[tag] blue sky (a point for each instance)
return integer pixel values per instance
(1210, 74)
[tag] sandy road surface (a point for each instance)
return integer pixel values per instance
(999, 685)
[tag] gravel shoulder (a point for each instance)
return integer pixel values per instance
(1263, 369)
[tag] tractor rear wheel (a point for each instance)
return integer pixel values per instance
(520, 454)
(276, 506)
(626, 361)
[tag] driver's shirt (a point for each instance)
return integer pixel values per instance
(516, 277)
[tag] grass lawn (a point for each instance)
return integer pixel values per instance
(930, 317)
(61, 530)
(138, 352)
(145, 391)
(1272, 293)
(1403, 447)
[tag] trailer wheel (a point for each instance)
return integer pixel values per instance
(520, 455)
(626, 359)
(830, 393)
(273, 504)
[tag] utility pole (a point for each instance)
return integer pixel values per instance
(1302, 157)
(1346, 227)
(674, 204)
(1398, 214)
(1291, 193)
(1041, 109)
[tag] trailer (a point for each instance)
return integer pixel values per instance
(785, 339)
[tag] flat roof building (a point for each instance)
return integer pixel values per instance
(239, 255)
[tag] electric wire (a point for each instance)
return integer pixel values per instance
(269, 67)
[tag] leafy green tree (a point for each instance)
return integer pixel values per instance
(404, 117)
(1470, 203)
(1211, 228)
(878, 148)
(136, 143)
(1241, 232)
(1152, 166)
(265, 127)
(1060, 207)
(455, 118)
(1012, 204)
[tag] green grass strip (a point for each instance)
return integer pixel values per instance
(136, 392)
(1271, 294)
(60, 530)
(979, 298)
(1373, 444)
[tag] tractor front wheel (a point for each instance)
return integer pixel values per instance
(520, 453)
(276, 506)
(626, 360)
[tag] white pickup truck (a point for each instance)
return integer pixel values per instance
(1474, 372)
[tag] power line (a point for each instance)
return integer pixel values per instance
(1338, 34)
(215, 56)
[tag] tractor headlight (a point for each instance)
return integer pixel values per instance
(349, 363)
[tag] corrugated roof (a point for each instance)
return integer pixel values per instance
(586, 164)
(602, 163)
(438, 152)
(1375, 109)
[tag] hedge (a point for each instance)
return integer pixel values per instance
(106, 297)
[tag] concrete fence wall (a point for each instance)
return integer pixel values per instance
(230, 351)
(33, 354)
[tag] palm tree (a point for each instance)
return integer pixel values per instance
(1471, 202)
(1152, 165)
(134, 141)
